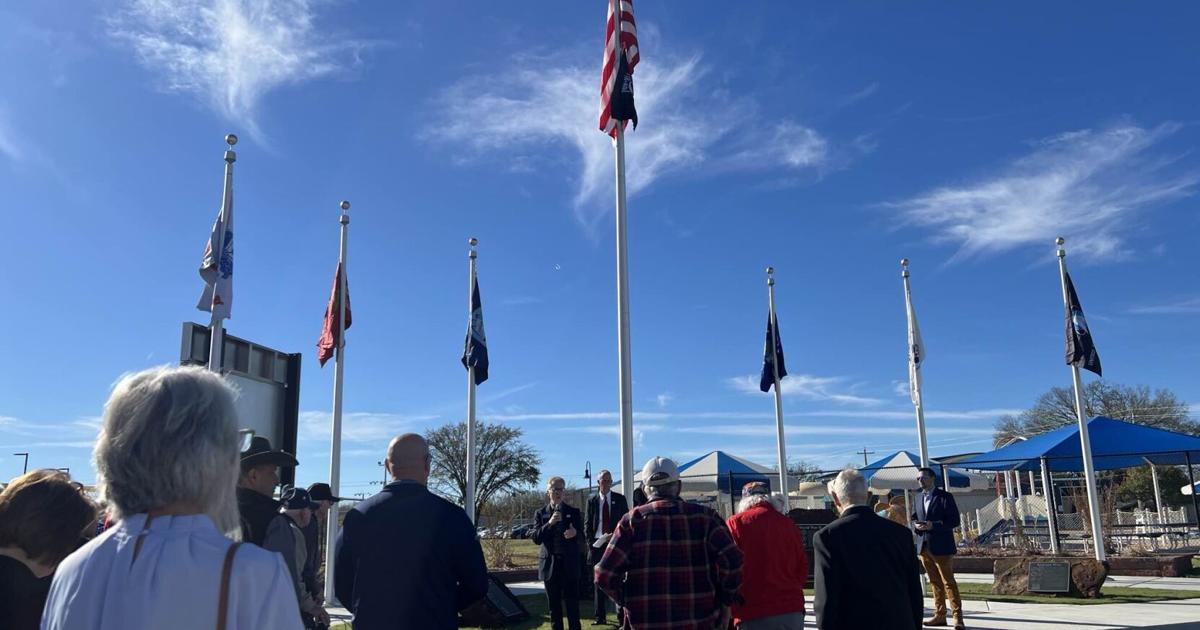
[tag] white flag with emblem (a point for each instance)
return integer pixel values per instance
(916, 356)
(217, 270)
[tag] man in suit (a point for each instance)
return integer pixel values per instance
(866, 571)
(558, 528)
(407, 558)
(604, 511)
(935, 518)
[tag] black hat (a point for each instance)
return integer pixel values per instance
(297, 499)
(260, 453)
(322, 492)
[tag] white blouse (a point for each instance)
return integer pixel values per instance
(175, 582)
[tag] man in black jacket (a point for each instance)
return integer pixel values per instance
(558, 528)
(256, 487)
(407, 558)
(865, 568)
(603, 512)
(935, 518)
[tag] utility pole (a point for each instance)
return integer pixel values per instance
(864, 453)
(25, 467)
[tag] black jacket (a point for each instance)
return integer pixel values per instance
(558, 554)
(616, 509)
(407, 558)
(943, 513)
(866, 574)
(256, 511)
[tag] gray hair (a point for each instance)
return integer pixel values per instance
(664, 491)
(850, 487)
(745, 503)
(170, 435)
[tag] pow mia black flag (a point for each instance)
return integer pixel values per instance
(1081, 350)
(622, 102)
(772, 355)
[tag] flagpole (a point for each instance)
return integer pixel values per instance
(1089, 470)
(779, 441)
(919, 403)
(469, 495)
(216, 331)
(624, 367)
(335, 448)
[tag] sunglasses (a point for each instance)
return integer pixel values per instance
(245, 439)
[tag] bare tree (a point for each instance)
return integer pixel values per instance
(1134, 403)
(503, 463)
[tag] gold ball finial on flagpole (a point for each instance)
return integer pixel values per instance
(344, 205)
(472, 241)
(903, 262)
(230, 139)
(770, 271)
(1059, 241)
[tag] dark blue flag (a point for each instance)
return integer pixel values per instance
(1081, 349)
(772, 358)
(475, 350)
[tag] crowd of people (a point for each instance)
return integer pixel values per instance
(191, 536)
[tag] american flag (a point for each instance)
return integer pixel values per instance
(616, 101)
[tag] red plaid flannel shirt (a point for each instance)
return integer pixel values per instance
(671, 564)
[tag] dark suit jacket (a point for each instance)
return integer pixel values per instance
(558, 555)
(866, 574)
(943, 513)
(407, 558)
(616, 509)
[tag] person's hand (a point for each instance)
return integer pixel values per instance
(723, 622)
(555, 518)
(321, 616)
(570, 533)
(923, 526)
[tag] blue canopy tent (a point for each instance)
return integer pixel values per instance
(898, 471)
(712, 472)
(1115, 444)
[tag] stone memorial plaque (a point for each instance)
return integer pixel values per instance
(1052, 576)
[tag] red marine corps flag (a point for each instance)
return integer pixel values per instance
(620, 58)
(329, 331)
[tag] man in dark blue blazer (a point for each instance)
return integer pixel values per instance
(558, 528)
(935, 517)
(407, 558)
(603, 513)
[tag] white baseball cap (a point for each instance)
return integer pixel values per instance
(659, 471)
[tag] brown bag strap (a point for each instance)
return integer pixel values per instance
(223, 602)
(137, 547)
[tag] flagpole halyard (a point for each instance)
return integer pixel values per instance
(469, 495)
(335, 447)
(914, 366)
(780, 444)
(1089, 469)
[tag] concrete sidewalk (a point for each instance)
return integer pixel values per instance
(1168, 615)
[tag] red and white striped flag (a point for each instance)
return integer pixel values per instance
(620, 58)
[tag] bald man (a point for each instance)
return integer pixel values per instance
(407, 558)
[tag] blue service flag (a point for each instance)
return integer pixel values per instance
(774, 341)
(475, 350)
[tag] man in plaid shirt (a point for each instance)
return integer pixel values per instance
(671, 564)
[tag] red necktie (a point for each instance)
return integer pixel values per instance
(604, 528)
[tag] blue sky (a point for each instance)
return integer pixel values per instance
(826, 141)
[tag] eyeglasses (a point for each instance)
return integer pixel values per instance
(558, 488)
(245, 439)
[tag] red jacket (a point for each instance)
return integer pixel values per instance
(776, 565)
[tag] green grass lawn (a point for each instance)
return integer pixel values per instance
(1111, 595)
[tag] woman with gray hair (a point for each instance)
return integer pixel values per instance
(167, 463)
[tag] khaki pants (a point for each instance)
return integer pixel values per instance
(940, 570)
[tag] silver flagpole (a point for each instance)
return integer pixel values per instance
(1089, 470)
(1051, 521)
(335, 448)
(1157, 493)
(624, 364)
(915, 374)
(783, 480)
(469, 495)
(216, 331)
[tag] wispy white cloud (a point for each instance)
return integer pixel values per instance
(360, 426)
(9, 146)
(577, 415)
(1179, 307)
(664, 399)
(542, 101)
(768, 430)
(827, 388)
(231, 53)
(1085, 185)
